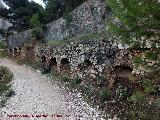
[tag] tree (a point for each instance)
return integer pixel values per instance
(21, 11)
(51, 10)
(34, 21)
(57, 8)
(135, 20)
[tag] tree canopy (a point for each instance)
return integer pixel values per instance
(57, 8)
(137, 19)
(21, 11)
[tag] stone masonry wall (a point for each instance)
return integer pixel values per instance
(17, 40)
(90, 57)
(87, 18)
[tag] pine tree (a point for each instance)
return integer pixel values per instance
(34, 21)
(135, 19)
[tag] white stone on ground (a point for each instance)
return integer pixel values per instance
(37, 95)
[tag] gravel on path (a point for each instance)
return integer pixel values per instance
(39, 98)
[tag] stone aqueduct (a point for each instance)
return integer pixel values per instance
(92, 56)
(13, 52)
(86, 58)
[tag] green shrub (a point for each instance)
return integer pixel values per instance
(4, 88)
(10, 93)
(65, 78)
(105, 95)
(5, 75)
(36, 32)
(158, 102)
(34, 21)
(69, 19)
(3, 54)
(100, 79)
(77, 80)
(45, 71)
(151, 55)
(122, 92)
(138, 97)
(148, 86)
(138, 61)
(5, 79)
(2, 46)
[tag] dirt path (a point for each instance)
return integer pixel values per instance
(37, 95)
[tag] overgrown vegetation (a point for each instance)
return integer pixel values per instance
(32, 63)
(136, 23)
(37, 33)
(56, 9)
(2, 46)
(5, 87)
(37, 27)
(20, 12)
(69, 19)
(86, 37)
(126, 99)
(3, 51)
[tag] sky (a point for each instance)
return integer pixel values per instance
(39, 1)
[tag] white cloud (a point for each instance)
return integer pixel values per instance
(39, 1)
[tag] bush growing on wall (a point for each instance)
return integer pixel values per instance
(69, 19)
(36, 25)
(5, 78)
(3, 51)
(34, 21)
(2, 46)
(36, 32)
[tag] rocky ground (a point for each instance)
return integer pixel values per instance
(36, 94)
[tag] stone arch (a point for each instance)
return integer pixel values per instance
(85, 65)
(19, 51)
(65, 65)
(43, 59)
(53, 61)
(29, 51)
(125, 72)
(52, 65)
(88, 63)
(10, 52)
(15, 51)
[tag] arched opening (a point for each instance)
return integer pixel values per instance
(103, 17)
(15, 51)
(44, 68)
(87, 63)
(65, 66)
(53, 64)
(10, 52)
(29, 51)
(43, 59)
(125, 72)
(19, 51)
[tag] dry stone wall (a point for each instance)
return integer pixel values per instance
(87, 18)
(18, 40)
(84, 58)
